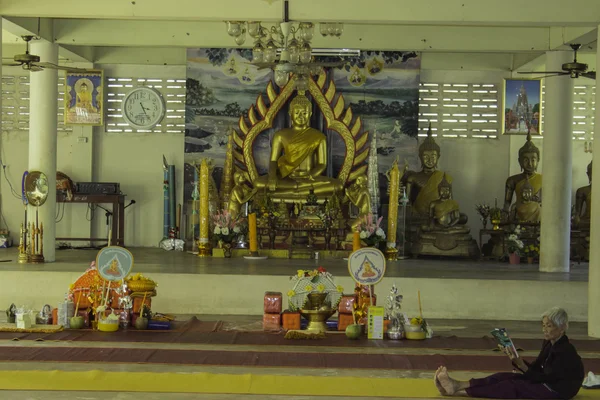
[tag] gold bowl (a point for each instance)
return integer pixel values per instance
(141, 286)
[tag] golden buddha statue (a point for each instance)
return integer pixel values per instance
(437, 227)
(529, 156)
(422, 187)
(528, 210)
(583, 204)
(240, 193)
(298, 159)
(444, 213)
(358, 194)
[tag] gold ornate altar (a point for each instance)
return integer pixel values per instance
(299, 209)
(435, 225)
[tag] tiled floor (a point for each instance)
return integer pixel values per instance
(154, 260)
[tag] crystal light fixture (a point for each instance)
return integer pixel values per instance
(291, 41)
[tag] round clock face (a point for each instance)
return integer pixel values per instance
(143, 108)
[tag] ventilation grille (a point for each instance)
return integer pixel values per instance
(457, 110)
(15, 103)
(584, 111)
(172, 90)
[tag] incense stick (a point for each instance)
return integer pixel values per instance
(77, 306)
(420, 308)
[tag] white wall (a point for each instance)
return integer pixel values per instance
(135, 161)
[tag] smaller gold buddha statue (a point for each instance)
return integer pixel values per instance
(444, 213)
(240, 194)
(583, 204)
(529, 157)
(358, 194)
(528, 210)
(298, 159)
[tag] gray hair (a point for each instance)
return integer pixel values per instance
(558, 316)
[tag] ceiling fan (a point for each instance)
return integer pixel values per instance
(31, 62)
(575, 69)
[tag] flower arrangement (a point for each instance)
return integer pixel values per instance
(226, 227)
(313, 281)
(484, 212)
(370, 232)
(532, 250)
(513, 243)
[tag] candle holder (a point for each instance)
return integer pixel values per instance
(36, 192)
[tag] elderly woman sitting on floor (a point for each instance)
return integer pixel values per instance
(557, 373)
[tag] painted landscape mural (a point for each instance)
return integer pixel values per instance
(381, 87)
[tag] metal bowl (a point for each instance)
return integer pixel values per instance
(395, 335)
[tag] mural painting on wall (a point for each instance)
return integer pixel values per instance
(381, 87)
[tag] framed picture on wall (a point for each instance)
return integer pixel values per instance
(522, 106)
(83, 98)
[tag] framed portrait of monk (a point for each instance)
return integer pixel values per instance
(84, 102)
(522, 106)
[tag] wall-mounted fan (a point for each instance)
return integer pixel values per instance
(574, 69)
(31, 62)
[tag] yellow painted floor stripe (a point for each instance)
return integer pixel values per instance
(215, 383)
(225, 383)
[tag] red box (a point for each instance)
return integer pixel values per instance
(137, 303)
(272, 322)
(273, 303)
(55, 316)
(344, 320)
(291, 320)
(346, 305)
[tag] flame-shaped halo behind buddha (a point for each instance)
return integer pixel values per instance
(338, 118)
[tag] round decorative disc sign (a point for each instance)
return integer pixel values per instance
(114, 263)
(367, 266)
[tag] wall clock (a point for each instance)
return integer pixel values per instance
(143, 108)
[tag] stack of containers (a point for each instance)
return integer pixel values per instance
(272, 311)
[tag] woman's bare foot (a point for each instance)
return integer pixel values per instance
(438, 384)
(447, 383)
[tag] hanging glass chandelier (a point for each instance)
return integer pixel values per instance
(292, 43)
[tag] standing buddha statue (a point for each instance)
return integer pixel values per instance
(529, 157)
(298, 159)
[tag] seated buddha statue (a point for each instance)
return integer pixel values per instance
(528, 210)
(358, 194)
(529, 156)
(422, 187)
(444, 213)
(240, 193)
(298, 159)
(437, 227)
(583, 204)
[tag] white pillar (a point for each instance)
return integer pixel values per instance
(43, 108)
(594, 266)
(557, 157)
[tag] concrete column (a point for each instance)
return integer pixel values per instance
(557, 158)
(43, 108)
(594, 266)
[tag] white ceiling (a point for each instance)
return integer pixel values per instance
(155, 31)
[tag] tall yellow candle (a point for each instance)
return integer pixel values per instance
(252, 234)
(394, 177)
(203, 240)
(355, 241)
